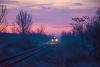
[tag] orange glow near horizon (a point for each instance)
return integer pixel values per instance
(48, 30)
(54, 15)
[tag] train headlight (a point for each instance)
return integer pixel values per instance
(52, 39)
(56, 40)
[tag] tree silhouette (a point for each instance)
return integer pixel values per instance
(24, 21)
(3, 22)
(93, 29)
(79, 27)
(40, 30)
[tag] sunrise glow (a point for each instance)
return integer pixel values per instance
(55, 15)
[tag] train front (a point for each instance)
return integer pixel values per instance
(54, 40)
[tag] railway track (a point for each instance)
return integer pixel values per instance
(8, 62)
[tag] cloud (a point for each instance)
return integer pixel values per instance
(53, 4)
(10, 4)
(78, 4)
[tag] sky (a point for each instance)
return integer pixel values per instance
(54, 15)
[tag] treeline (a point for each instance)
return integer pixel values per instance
(22, 36)
(86, 33)
(22, 24)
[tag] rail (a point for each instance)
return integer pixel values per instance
(7, 62)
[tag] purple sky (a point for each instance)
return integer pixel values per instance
(55, 15)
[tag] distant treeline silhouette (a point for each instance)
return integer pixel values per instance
(85, 32)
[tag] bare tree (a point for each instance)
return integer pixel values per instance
(14, 28)
(24, 21)
(40, 30)
(79, 27)
(93, 33)
(98, 14)
(3, 22)
(93, 28)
